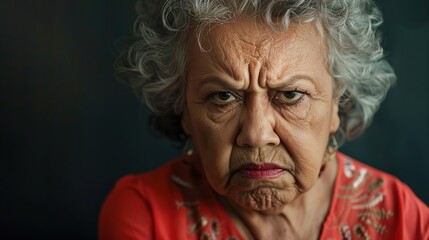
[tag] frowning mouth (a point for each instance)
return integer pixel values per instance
(261, 171)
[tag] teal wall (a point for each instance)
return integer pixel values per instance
(69, 130)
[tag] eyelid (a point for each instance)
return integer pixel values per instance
(211, 97)
(292, 102)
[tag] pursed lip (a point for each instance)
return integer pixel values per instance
(260, 171)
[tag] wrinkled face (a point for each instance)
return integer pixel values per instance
(259, 108)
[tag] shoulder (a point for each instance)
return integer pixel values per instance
(378, 202)
(357, 175)
(171, 202)
(147, 186)
(138, 203)
(145, 183)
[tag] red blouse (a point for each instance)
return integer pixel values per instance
(176, 202)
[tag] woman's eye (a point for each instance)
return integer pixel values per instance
(222, 98)
(289, 97)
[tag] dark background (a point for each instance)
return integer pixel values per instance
(69, 130)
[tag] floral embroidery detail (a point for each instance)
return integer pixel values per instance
(375, 184)
(349, 168)
(376, 199)
(379, 228)
(360, 198)
(214, 225)
(377, 213)
(359, 180)
(362, 193)
(200, 226)
(345, 231)
(361, 232)
(203, 221)
(180, 181)
(351, 195)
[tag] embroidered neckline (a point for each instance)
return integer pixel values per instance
(361, 193)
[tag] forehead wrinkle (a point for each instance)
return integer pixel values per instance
(276, 69)
(294, 42)
(222, 59)
(252, 54)
(253, 51)
(241, 50)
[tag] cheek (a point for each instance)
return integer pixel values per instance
(306, 141)
(297, 114)
(306, 151)
(214, 143)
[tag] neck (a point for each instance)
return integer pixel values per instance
(301, 219)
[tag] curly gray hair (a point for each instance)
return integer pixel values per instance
(154, 62)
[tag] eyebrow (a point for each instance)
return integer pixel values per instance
(218, 81)
(291, 80)
(215, 80)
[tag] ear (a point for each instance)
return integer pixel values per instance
(335, 118)
(186, 123)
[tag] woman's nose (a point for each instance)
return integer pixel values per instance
(257, 126)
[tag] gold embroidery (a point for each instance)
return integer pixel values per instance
(358, 181)
(349, 168)
(361, 232)
(376, 199)
(345, 231)
(181, 182)
(215, 228)
(361, 198)
(363, 193)
(197, 226)
(374, 224)
(350, 195)
(203, 221)
(377, 213)
(205, 227)
(375, 184)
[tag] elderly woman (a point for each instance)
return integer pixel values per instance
(264, 91)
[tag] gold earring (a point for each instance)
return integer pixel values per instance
(188, 148)
(331, 149)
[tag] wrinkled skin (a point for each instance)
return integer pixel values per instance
(259, 96)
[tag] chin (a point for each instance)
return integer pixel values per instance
(266, 200)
